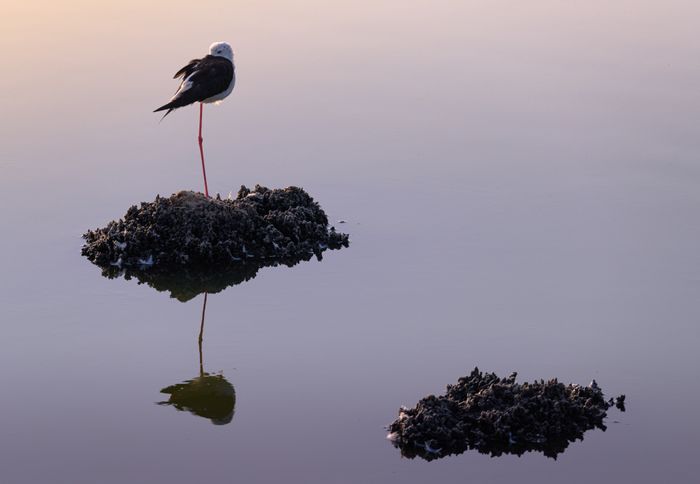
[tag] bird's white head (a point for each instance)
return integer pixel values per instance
(221, 49)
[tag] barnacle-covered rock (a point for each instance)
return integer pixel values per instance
(497, 416)
(260, 226)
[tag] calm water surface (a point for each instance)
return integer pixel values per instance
(520, 185)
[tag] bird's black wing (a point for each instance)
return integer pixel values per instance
(188, 69)
(206, 78)
(211, 77)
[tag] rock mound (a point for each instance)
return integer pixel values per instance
(497, 416)
(260, 226)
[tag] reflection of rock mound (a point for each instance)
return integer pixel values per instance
(209, 396)
(498, 416)
(185, 283)
(189, 230)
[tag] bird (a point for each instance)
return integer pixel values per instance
(206, 80)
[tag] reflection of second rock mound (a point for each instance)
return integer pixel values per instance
(209, 396)
(188, 229)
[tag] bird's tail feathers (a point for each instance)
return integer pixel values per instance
(169, 108)
(166, 113)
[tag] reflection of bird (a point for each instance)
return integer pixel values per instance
(209, 396)
(206, 80)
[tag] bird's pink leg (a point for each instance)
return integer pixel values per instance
(201, 150)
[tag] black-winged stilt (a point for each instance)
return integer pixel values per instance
(206, 80)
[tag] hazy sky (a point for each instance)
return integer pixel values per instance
(387, 83)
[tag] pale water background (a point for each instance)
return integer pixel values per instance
(520, 184)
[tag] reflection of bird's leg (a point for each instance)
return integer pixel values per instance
(201, 149)
(201, 336)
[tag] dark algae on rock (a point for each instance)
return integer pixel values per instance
(498, 416)
(188, 232)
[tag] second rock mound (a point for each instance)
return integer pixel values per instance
(497, 416)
